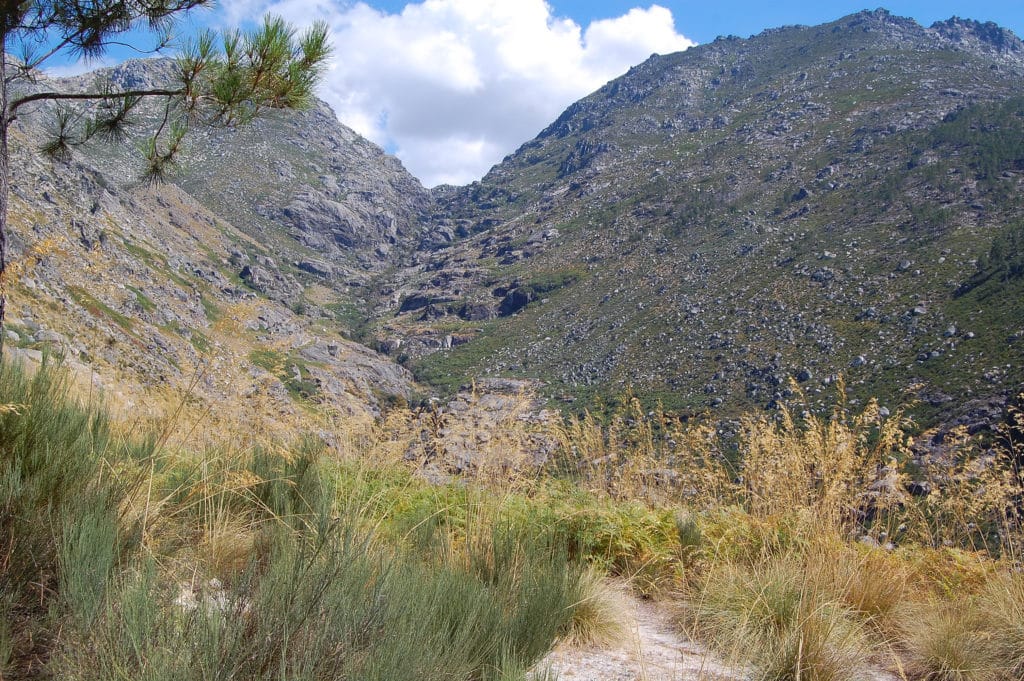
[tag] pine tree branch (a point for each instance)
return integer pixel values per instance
(39, 60)
(86, 96)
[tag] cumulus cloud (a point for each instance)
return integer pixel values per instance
(451, 86)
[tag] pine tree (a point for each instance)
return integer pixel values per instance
(218, 80)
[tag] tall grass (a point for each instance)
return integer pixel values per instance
(970, 637)
(1002, 603)
(602, 615)
(848, 471)
(262, 560)
(99, 584)
(948, 641)
(778, 618)
(788, 535)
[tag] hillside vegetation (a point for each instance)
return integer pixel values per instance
(805, 203)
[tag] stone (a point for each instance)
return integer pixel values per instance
(47, 336)
(515, 300)
(317, 267)
(868, 540)
(476, 312)
(27, 354)
(918, 488)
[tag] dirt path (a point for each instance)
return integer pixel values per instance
(655, 651)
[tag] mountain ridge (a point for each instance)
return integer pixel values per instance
(803, 93)
(729, 228)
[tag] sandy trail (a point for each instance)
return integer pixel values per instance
(656, 651)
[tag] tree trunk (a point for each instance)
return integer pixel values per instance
(5, 175)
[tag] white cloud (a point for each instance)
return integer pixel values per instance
(451, 86)
(77, 68)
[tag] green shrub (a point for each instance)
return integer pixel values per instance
(291, 484)
(338, 607)
(60, 519)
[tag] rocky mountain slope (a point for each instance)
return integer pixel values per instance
(719, 230)
(239, 282)
(808, 203)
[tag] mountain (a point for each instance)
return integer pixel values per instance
(748, 223)
(808, 203)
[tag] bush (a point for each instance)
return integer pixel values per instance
(337, 607)
(60, 511)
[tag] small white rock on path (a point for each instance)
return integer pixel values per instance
(655, 651)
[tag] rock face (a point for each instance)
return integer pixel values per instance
(309, 177)
(293, 180)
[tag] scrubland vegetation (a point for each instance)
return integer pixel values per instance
(792, 548)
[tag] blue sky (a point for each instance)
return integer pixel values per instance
(452, 86)
(707, 19)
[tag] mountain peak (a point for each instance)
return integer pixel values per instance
(881, 19)
(987, 35)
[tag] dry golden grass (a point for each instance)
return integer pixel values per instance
(974, 493)
(602, 616)
(645, 455)
(873, 583)
(949, 641)
(1001, 601)
(227, 543)
(780, 618)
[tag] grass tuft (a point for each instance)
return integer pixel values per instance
(775, 618)
(948, 641)
(601, 615)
